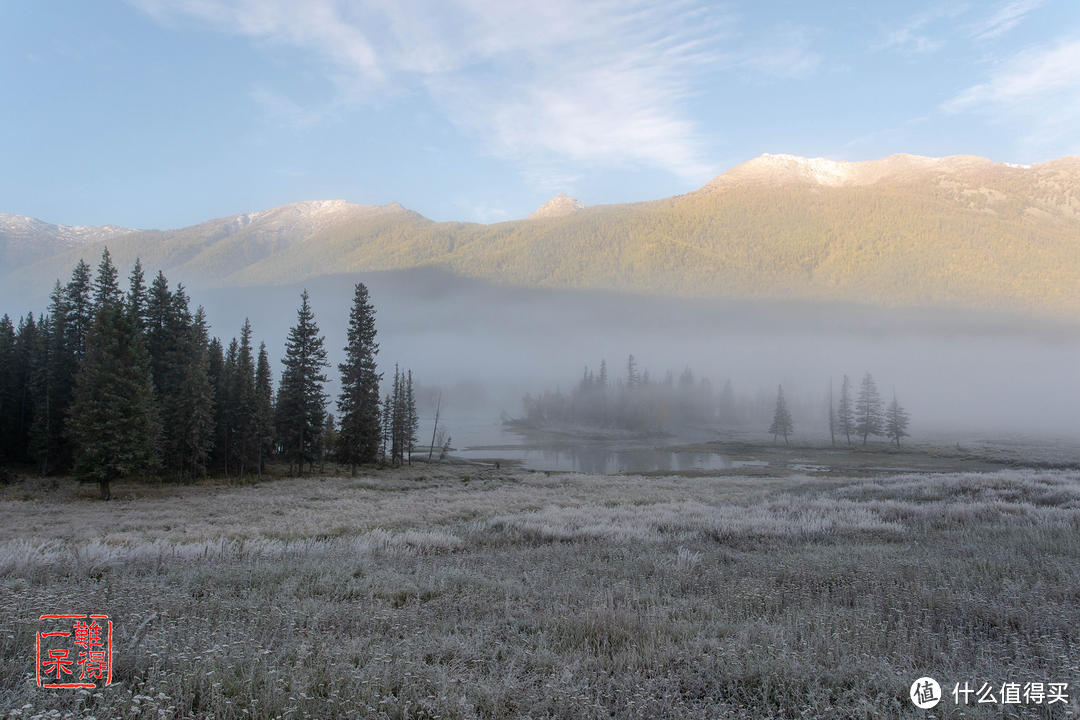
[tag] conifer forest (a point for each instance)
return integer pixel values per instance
(117, 381)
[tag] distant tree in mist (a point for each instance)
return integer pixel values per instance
(845, 414)
(401, 417)
(328, 441)
(832, 416)
(896, 421)
(782, 422)
(727, 407)
(412, 419)
(868, 409)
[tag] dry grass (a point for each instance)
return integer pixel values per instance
(422, 594)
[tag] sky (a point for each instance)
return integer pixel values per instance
(166, 113)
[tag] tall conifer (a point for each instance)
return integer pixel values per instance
(80, 309)
(358, 405)
(245, 425)
(54, 387)
(136, 297)
(301, 401)
(27, 341)
(7, 389)
(107, 283)
(412, 420)
(112, 417)
(264, 407)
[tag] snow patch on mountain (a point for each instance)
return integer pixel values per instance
(559, 206)
(777, 170)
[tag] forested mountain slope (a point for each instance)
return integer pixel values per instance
(900, 232)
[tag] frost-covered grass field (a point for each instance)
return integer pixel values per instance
(454, 592)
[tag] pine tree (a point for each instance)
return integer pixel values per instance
(868, 409)
(40, 375)
(782, 421)
(397, 419)
(215, 373)
(54, 384)
(845, 414)
(264, 406)
(183, 392)
(7, 390)
(107, 284)
(301, 402)
(27, 341)
(896, 421)
(112, 417)
(80, 310)
(832, 416)
(227, 398)
(245, 429)
(197, 410)
(71, 314)
(328, 440)
(728, 413)
(388, 423)
(159, 329)
(358, 404)
(412, 420)
(136, 297)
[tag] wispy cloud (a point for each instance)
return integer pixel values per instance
(1040, 88)
(786, 55)
(912, 36)
(601, 82)
(280, 109)
(1004, 19)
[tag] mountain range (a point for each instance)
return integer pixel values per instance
(903, 231)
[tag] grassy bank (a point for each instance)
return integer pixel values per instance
(454, 592)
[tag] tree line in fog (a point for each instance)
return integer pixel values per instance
(632, 401)
(636, 401)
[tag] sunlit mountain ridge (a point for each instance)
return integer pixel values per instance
(904, 231)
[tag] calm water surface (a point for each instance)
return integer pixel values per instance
(481, 440)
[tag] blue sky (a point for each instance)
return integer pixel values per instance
(164, 113)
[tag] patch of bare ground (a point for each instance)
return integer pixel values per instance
(462, 592)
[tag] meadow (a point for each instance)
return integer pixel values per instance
(466, 592)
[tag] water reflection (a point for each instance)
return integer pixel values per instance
(481, 440)
(601, 461)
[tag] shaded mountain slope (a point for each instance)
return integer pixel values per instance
(25, 240)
